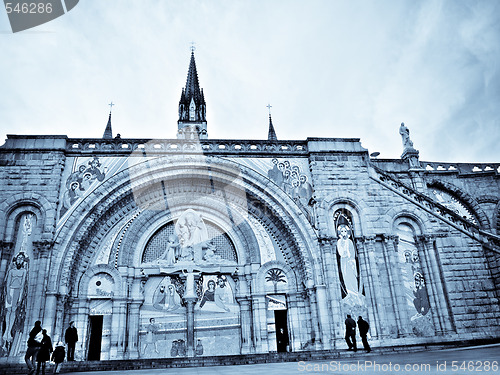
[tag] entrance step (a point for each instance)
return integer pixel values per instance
(248, 359)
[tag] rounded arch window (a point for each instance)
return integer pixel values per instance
(219, 242)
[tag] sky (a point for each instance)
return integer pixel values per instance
(329, 68)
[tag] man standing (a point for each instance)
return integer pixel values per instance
(71, 337)
(350, 333)
(364, 327)
(34, 344)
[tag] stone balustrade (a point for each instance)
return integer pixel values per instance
(174, 146)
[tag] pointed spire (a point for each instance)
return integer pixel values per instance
(108, 134)
(192, 121)
(271, 136)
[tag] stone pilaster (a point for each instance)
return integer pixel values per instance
(311, 293)
(327, 245)
(367, 275)
(246, 324)
(42, 251)
(296, 323)
(117, 328)
(391, 243)
(429, 284)
(383, 328)
(133, 316)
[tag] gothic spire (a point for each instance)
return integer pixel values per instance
(108, 134)
(271, 136)
(192, 121)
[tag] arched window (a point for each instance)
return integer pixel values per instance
(347, 259)
(413, 279)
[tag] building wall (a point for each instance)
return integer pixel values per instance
(412, 273)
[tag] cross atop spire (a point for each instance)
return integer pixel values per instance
(269, 107)
(111, 106)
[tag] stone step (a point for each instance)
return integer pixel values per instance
(156, 363)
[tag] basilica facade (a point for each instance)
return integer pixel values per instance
(196, 247)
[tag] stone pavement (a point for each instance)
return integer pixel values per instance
(483, 359)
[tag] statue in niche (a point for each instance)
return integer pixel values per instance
(421, 300)
(405, 135)
(352, 291)
(192, 233)
(15, 294)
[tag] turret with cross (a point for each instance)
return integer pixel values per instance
(192, 123)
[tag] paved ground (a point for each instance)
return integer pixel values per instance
(483, 360)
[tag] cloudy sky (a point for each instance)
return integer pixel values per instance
(329, 68)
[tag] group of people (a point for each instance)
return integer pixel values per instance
(40, 348)
(350, 333)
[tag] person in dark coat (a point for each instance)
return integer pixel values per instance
(71, 337)
(34, 343)
(58, 356)
(44, 352)
(364, 327)
(350, 333)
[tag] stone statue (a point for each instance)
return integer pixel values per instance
(14, 286)
(192, 234)
(405, 135)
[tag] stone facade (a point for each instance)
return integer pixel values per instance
(184, 247)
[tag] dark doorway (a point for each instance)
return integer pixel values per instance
(95, 337)
(280, 321)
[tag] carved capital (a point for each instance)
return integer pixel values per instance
(326, 240)
(43, 248)
(6, 248)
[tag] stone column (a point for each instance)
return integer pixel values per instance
(296, 323)
(429, 285)
(49, 315)
(82, 308)
(383, 328)
(391, 245)
(190, 302)
(246, 325)
(42, 250)
(58, 316)
(311, 293)
(132, 351)
(324, 316)
(117, 327)
(262, 314)
(394, 286)
(256, 324)
(328, 247)
(367, 275)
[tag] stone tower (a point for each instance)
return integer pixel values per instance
(192, 123)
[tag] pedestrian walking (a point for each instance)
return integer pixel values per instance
(34, 344)
(71, 337)
(350, 333)
(44, 352)
(58, 356)
(363, 328)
